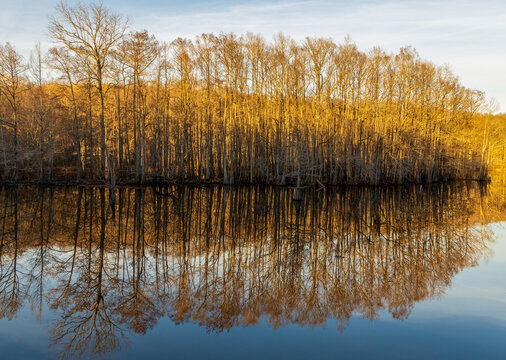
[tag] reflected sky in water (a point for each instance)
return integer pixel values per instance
(410, 272)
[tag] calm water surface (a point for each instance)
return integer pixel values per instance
(412, 272)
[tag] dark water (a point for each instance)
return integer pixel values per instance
(219, 273)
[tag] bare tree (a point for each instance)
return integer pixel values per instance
(61, 60)
(36, 64)
(11, 76)
(91, 31)
(138, 51)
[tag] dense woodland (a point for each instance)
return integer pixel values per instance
(112, 262)
(108, 104)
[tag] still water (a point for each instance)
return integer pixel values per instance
(411, 272)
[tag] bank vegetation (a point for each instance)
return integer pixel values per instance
(109, 104)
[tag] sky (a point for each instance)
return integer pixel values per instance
(468, 36)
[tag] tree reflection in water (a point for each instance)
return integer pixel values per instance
(110, 262)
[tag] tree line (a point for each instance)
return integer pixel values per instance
(115, 105)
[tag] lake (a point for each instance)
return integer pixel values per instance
(406, 272)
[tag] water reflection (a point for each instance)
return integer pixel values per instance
(110, 263)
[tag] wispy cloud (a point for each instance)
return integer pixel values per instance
(467, 35)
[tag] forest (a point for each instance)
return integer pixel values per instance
(108, 104)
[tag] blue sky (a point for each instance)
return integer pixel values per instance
(469, 36)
